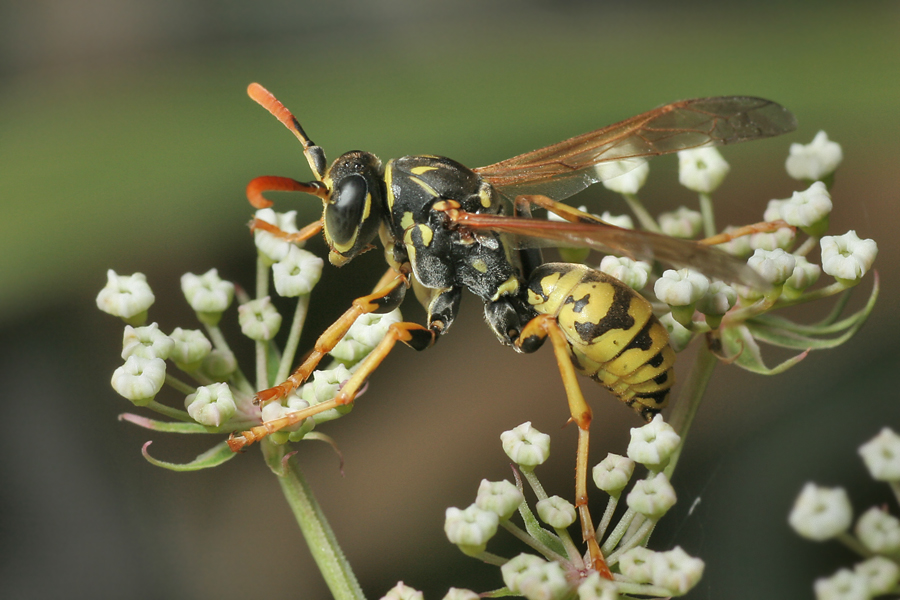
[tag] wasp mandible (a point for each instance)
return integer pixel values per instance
(446, 228)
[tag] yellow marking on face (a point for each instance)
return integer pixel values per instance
(388, 178)
(421, 170)
(407, 220)
(480, 266)
(431, 191)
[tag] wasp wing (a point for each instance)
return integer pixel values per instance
(565, 168)
(638, 245)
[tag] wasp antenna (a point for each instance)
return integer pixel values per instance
(314, 154)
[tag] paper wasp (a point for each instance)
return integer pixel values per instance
(446, 228)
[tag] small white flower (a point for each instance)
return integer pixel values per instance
(846, 256)
(401, 591)
(146, 342)
(681, 223)
(775, 266)
(625, 176)
(277, 410)
(556, 512)
(633, 273)
(821, 513)
(804, 275)
(882, 455)
(208, 294)
(653, 444)
(780, 238)
(719, 299)
(652, 497)
(525, 445)
(219, 364)
(807, 210)
(323, 387)
(881, 574)
(548, 582)
(140, 379)
(680, 288)
(676, 570)
(613, 473)
(190, 348)
(470, 529)
(595, 587)
(522, 567)
(460, 594)
(501, 497)
(364, 335)
(623, 221)
(739, 246)
(843, 585)
(637, 564)
(701, 169)
(211, 405)
(127, 297)
(297, 273)
(271, 247)
(259, 319)
(879, 531)
(679, 335)
(815, 160)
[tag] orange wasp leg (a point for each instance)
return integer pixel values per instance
(763, 227)
(299, 236)
(557, 208)
(546, 326)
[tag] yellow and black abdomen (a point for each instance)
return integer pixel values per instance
(613, 336)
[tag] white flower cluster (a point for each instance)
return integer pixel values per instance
(822, 513)
(561, 571)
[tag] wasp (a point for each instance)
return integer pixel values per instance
(446, 228)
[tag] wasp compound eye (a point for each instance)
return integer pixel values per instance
(343, 215)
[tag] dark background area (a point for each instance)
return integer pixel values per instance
(126, 140)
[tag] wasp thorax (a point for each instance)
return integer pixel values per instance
(355, 205)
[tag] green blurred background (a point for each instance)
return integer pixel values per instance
(126, 140)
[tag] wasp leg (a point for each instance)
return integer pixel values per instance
(763, 227)
(300, 236)
(558, 208)
(271, 183)
(534, 333)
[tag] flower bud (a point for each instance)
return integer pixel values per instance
(804, 275)
(189, 349)
(470, 529)
(363, 336)
(556, 512)
(259, 319)
(681, 288)
(775, 266)
(676, 571)
(211, 405)
(208, 294)
(653, 444)
(401, 591)
(460, 594)
(324, 386)
(271, 247)
(652, 497)
(681, 223)
(633, 273)
(637, 564)
(814, 161)
(127, 297)
(525, 445)
(808, 210)
(536, 579)
(625, 176)
(679, 335)
(881, 574)
(846, 257)
(501, 497)
(843, 585)
(613, 473)
(219, 365)
(140, 379)
(146, 342)
(882, 455)
(701, 169)
(297, 273)
(719, 299)
(879, 531)
(594, 587)
(821, 513)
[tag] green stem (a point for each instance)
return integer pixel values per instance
(168, 411)
(262, 276)
(706, 210)
(536, 544)
(643, 217)
(683, 414)
(322, 542)
(290, 347)
(184, 388)
(854, 544)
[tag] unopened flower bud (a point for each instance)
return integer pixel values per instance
(362, 337)
(401, 591)
(126, 296)
(470, 529)
(843, 585)
(679, 335)
(816, 160)
(211, 405)
(676, 571)
(625, 176)
(701, 169)
(879, 531)
(808, 210)
(804, 275)
(190, 348)
(535, 579)
(501, 497)
(653, 444)
(882, 455)
(637, 564)
(525, 445)
(556, 512)
(594, 587)
(274, 248)
(652, 497)
(460, 594)
(846, 257)
(259, 319)
(140, 379)
(633, 273)
(146, 342)
(681, 223)
(219, 365)
(324, 386)
(208, 294)
(881, 574)
(719, 299)
(821, 513)
(775, 266)
(613, 473)
(297, 273)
